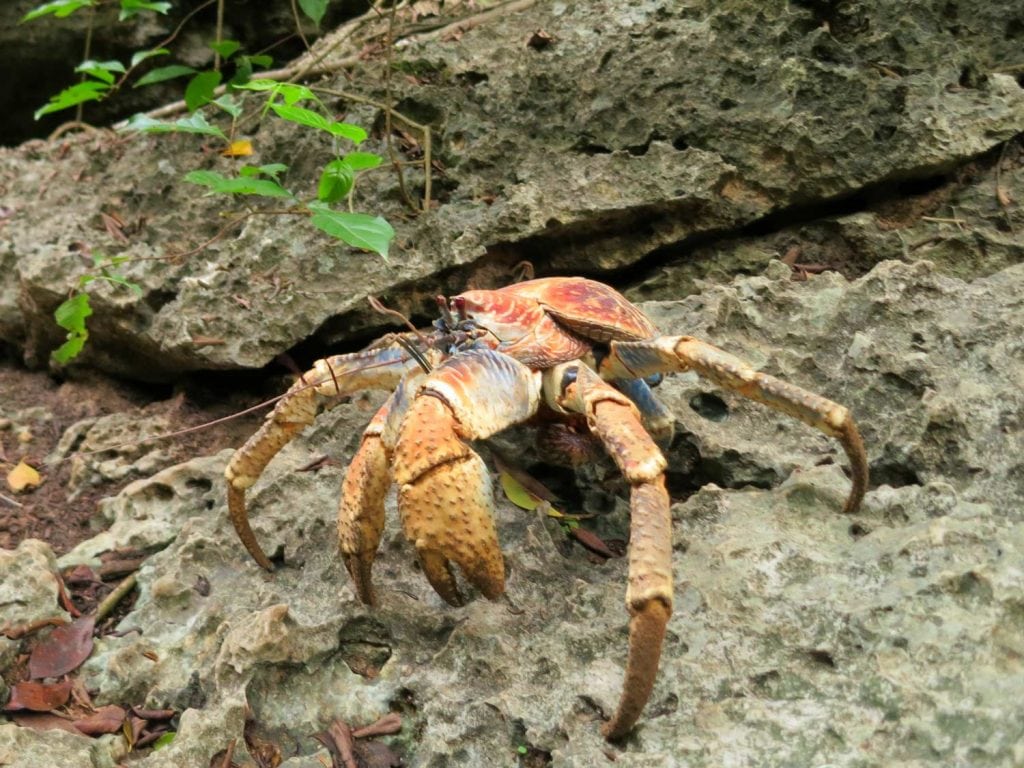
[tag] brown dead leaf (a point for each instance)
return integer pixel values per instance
(108, 719)
(23, 478)
(64, 650)
(38, 697)
(1004, 197)
(591, 541)
(43, 721)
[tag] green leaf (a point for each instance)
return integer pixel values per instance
(229, 104)
(58, 8)
(71, 316)
(200, 88)
(302, 116)
(219, 184)
(335, 182)
(110, 277)
(90, 90)
(140, 56)
(272, 170)
(353, 133)
(226, 48)
(361, 161)
(260, 60)
(371, 233)
(160, 74)
(290, 92)
(315, 9)
(194, 123)
(312, 119)
(164, 740)
(101, 70)
(130, 8)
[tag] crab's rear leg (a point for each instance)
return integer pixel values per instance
(380, 368)
(683, 353)
(444, 490)
(616, 422)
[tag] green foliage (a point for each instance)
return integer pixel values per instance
(371, 233)
(194, 123)
(292, 102)
(58, 8)
(71, 314)
(164, 740)
(315, 9)
(239, 185)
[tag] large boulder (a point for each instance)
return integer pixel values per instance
(633, 135)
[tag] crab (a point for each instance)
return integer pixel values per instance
(556, 348)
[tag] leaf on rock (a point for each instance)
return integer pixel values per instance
(38, 697)
(64, 650)
(107, 719)
(43, 721)
(23, 477)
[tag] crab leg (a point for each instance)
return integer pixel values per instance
(361, 512)
(638, 359)
(377, 368)
(615, 420)
(444, 495)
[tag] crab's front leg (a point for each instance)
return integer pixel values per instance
(444, 491)
(665, 354)
(615, 420)
(377, 368)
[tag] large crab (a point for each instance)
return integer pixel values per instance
(557, 347)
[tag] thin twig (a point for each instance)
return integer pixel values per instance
(219, 34)
(389, 48)
(111, 600)
(86, 55)
(298, 25)
(12, 502)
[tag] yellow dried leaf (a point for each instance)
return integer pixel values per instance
(238, 148)
(516, 493)
(22, 477)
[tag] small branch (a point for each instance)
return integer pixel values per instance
(219, 34)
(298, 25)
(12, 502)
(111, 600)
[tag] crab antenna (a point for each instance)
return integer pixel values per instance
(414, 353)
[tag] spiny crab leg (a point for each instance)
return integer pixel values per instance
(361, 512)
(663, 354)
(615, 420)
(375, 368)
(444, 489)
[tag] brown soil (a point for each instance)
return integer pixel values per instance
(36, 410)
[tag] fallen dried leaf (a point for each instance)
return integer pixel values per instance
(1004, 197)
(38, 697)
(64, 650)
(591, 541)
(23, 477)
(43, 721)
(238, 148)
(108, 719)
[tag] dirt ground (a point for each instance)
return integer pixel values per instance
(35, 411)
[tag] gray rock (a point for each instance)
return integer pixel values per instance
(800, 636)
(637, 131)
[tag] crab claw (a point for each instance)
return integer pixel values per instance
(445, 501)
(444, 490)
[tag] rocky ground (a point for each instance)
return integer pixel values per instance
(835, 199)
